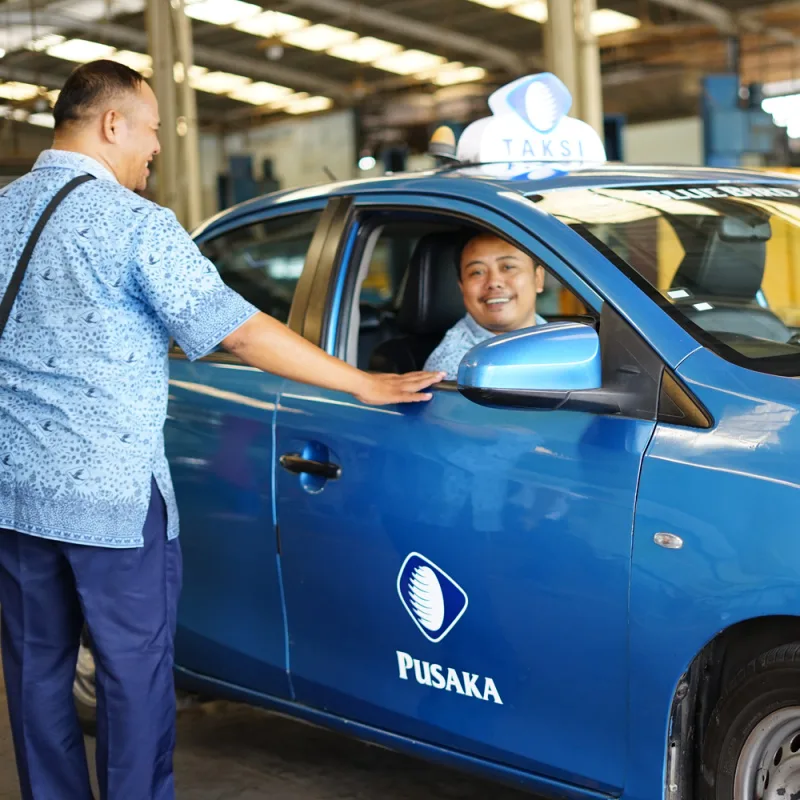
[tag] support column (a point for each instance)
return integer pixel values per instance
(159, 42)
(561, 47)
(191, 190)
(591, 86)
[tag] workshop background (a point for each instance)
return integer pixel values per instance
(261, 95)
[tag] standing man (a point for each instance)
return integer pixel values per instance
(88, 521)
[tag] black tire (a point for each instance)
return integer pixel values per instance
(768, 684)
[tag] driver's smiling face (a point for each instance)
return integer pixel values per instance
(499, 283)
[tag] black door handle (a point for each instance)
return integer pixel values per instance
(294, 462)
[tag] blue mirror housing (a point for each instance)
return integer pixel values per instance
(561, 356)
(535, 367)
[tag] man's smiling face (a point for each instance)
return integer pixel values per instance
(499, 284)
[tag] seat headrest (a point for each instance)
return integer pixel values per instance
(431, 301)
(720, 265)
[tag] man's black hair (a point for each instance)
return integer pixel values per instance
(90, 86)
(465, 236)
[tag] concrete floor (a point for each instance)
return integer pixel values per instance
(231, 752)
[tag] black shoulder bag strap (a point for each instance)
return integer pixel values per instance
(19, 272)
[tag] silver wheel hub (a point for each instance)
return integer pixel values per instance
(769, 764)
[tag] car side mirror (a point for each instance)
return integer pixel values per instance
(541, 367)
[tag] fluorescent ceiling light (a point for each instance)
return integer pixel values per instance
(365, 50)
(308, 105)
(139, 61)
(14, 90)
(221, 12)
(493, 3)
(18, 114)
(781, 87)
(88, 9)
(319, 37)
(271, 24)
(261, 93)
(535, 10)
(218, 82)
(288, 100)
(410, 62)
(179, 74)
(43, 120)
(785, 112)
(606, 20)
(41, 43)
(80, 50)
(450, 77)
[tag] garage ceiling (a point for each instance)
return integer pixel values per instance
(260, 60)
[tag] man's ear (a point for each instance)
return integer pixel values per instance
(539, 278)
(110, 123)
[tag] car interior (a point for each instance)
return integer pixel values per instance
(718, 282)
(398, 334)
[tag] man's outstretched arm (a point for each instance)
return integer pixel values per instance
(268, 345)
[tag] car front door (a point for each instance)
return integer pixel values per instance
(219, 441)
(459, 574)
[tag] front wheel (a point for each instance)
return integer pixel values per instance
(752, 747)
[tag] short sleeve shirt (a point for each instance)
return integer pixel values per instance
(83, 358)
(457, 342)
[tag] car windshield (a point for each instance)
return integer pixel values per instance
(723, 260)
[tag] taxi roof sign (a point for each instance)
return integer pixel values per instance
(529, 123)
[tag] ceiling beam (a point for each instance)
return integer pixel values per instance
(205, 56)
(8, 72)
(719, 17)
(478, 48)
(727, 22)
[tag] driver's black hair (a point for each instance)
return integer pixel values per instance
(465, 236)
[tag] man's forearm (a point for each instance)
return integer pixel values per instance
(268, 345)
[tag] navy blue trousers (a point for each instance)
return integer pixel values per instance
(128, 599)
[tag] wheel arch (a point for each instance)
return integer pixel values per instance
(700, 686)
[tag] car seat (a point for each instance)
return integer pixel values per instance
(723, 275)
(430, 303)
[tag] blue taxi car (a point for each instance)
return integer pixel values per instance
(575, 569)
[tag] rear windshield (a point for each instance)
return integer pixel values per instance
(723, 260)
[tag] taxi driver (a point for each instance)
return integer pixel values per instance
(499, 284)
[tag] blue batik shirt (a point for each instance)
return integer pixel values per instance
(83, 358)
(460, 339)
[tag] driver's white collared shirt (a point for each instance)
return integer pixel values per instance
(83, 358)
(461, 338)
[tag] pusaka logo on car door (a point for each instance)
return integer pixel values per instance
(436, 603)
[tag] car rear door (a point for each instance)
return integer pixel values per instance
(219, 441)
(460, 574)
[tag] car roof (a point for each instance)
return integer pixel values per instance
(465, 180)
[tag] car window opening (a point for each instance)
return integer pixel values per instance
(408, 294)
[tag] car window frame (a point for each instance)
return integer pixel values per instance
(336, 272)
(226, 225)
